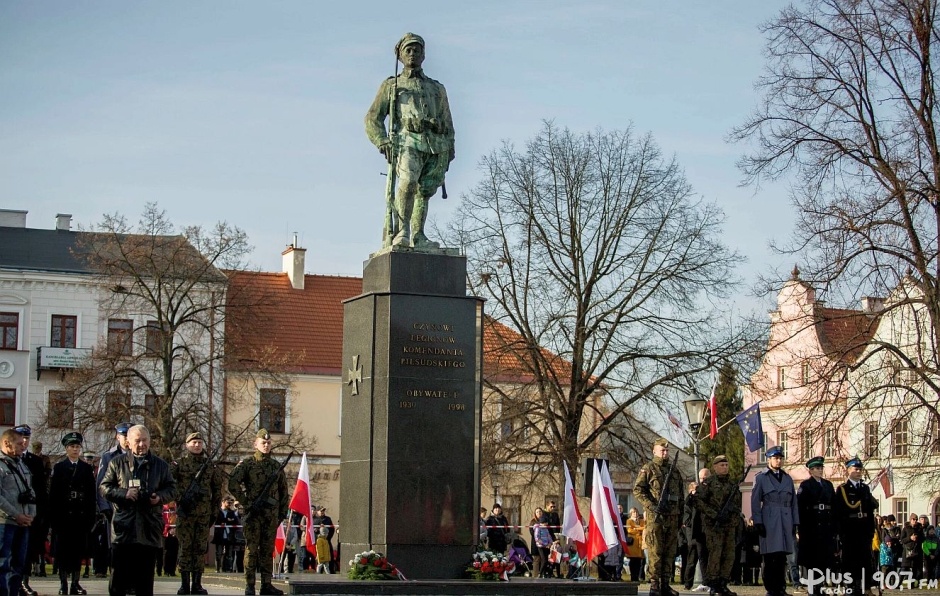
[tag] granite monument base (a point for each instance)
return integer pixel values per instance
(411, 408)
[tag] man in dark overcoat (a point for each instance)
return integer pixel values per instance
(776, 517)
(39, 467)
(817, 538)
(854, 515)
(72, 490)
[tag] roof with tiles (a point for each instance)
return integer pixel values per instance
(844, 333)
(304, 328)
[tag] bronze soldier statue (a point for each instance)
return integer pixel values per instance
(199, 492)
(418, 144)
(658, 487)
(719, 500)
(260, 484)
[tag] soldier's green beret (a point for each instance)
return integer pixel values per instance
(263, 434)
(660, 443)
(194, 437)
(815, 462)
(719, 459)
(72, 438)
(407, 40)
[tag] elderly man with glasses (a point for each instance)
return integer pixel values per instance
(776, 516)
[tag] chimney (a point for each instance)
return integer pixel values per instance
(12, 218)
(293, 264)
(63, 221)
(872, 304)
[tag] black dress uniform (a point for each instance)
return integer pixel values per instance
(72, 492)
(817, 544)
(854, 516)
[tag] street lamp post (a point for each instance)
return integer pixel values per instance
(695, 412)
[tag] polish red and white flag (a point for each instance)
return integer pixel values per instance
(611, 499)
(300, 500)
(602, 530)
(572, 524)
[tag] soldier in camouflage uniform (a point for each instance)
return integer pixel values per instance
(421, 140)
(246, 483)
(662, 525)
(196, 503)
(719, 501)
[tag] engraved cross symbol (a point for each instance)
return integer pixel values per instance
(355, 375)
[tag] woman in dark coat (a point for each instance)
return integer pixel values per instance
(72, 513)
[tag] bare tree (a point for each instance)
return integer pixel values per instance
(848, 107)
(601, 266)
(164, 297)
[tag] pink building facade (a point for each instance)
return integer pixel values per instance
(802, 409)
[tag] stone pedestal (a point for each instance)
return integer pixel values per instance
(411, 411)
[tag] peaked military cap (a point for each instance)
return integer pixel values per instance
(263, 434)
(194, 437)
(88, 455)
(719, 459)
(406, 40)
(855, 462)
(121, 428)
(815, 462)
(775, 452)
(23, 429)
(73, 438)
(660, 442)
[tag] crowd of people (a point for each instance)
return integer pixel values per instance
(138, 515)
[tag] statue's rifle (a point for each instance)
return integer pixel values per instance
(391, 221)
(258, 504)
(725, 512)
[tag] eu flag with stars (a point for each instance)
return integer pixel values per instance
(749, 421)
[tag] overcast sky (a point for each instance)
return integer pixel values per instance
(252, 112)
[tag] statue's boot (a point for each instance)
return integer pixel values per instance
(403, 211)
(418, 219)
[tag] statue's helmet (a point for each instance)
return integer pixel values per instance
(406, 40)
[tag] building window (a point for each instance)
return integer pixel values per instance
(120, 337)
(7, 406)
(871, 438)
(512, 508)
(762, 454)
(781, 377)
(783, 441)
(804, 373)
(933, 436)
(900, 510)
(512, 420)
(154, 404)
(900, 438)
(936, 512)
(831, 443)
(273, 410)
(153, 346)
(63, 332)
(61, 409)
(808, 445)
(9, 330)
(117, 406)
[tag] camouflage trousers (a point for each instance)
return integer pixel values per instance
(662, 539)
(720, 543)
(193, 534)
(260, 532)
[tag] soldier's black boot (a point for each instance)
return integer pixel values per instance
(270, 590)
(725, 590)
(668, 590)
(184, 583)
(63, 583)
(77, 589)
(197, 584)
(654, 587)
(250, 590)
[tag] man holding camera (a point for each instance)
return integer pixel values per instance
(17, 511)
(137, 483)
